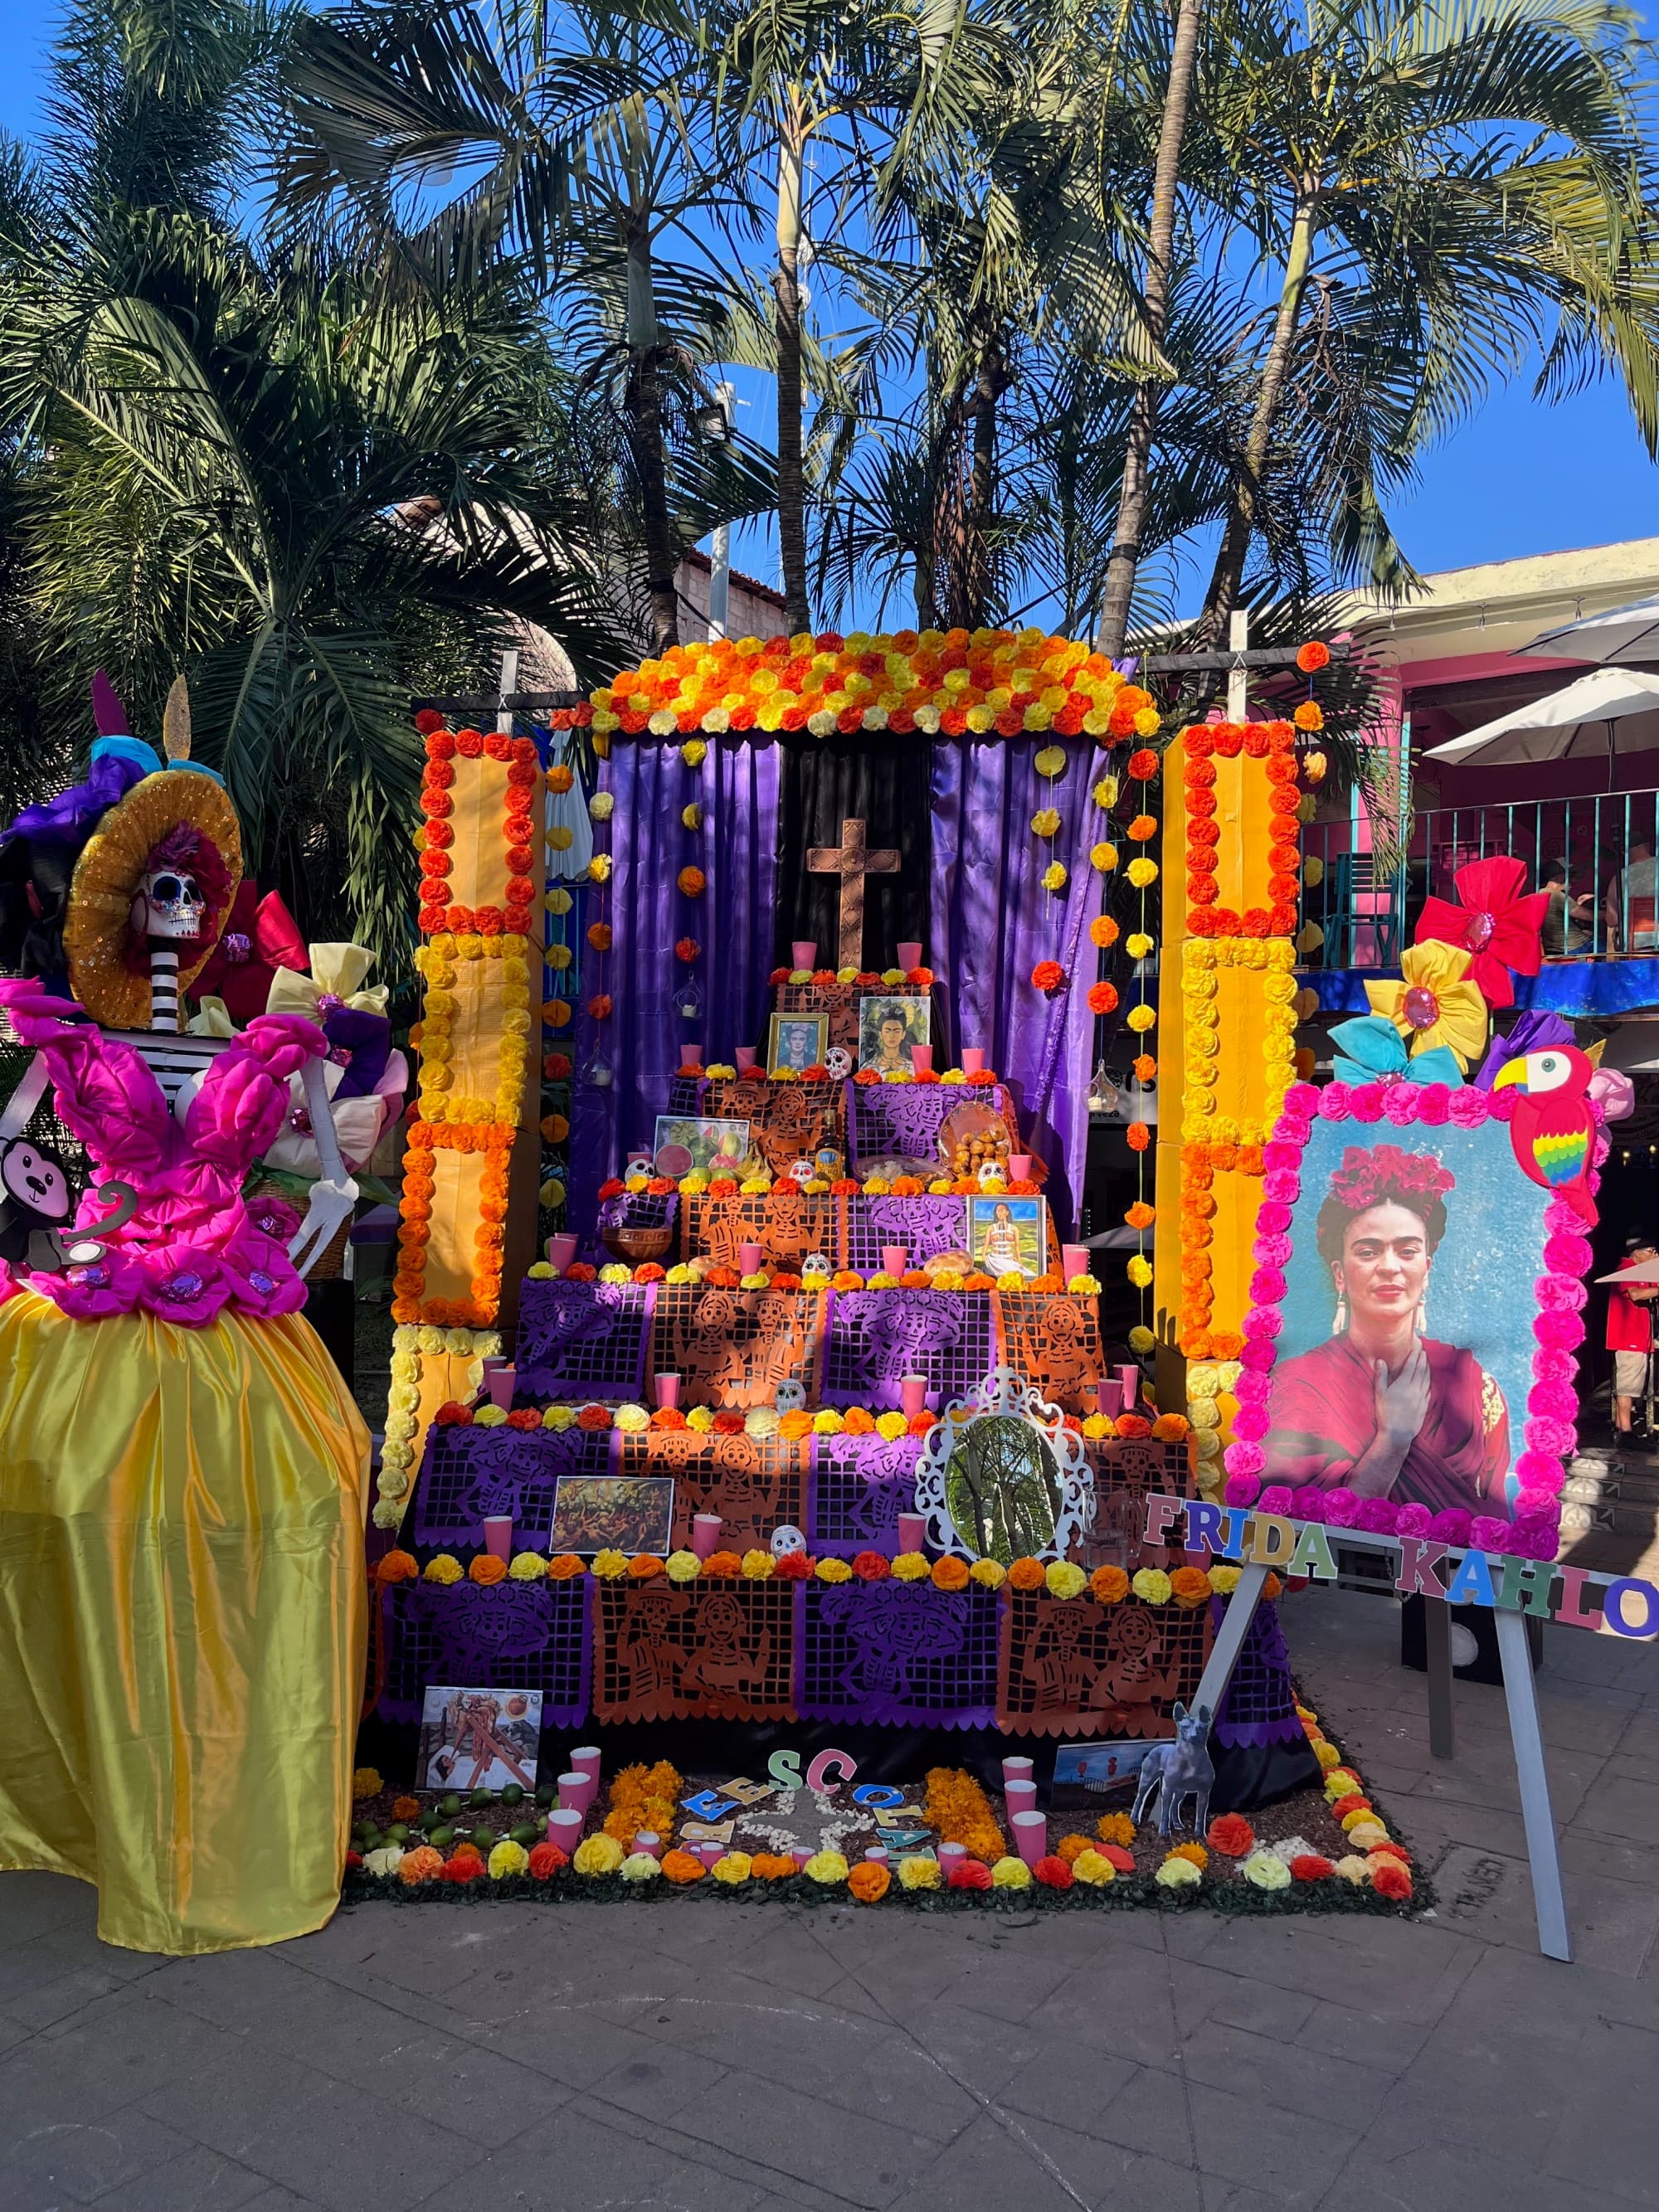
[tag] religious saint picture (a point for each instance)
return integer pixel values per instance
(716, 1148)
(612, 1513)
(889, 1024)
(1404, 1362)
(478, 1739)
(796, 1042)
(1008, 1236)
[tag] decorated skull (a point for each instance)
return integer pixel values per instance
(839, 1062)
(790, 1397)
(168, 906)
(814, 1263)
(786, 1538)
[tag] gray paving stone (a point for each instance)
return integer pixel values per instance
(86, 2158)
(798, 2136)
(199, 2181)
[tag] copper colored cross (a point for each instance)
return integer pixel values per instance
(852, 862)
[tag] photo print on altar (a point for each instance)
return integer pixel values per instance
(478, 1739)
(1008, 1236)
(612, 1513)
(716, 1148)
(1405, 1358)
(889, 1024)
(795, 1042)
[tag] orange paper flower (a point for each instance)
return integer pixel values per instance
(950, 1573)
(868, 1882)
(692, 882)
(487, 1568)
(682, 1868)
(1026, 1575)
(1110, 1585)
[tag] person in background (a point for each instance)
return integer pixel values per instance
(1630, 903)
(1566, 927)
(1630, 1337)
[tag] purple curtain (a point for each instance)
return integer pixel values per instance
(643, 1040)
(992, 922)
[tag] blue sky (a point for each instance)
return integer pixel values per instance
(1520, 478)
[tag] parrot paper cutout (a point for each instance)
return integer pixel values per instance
(1553, 1125)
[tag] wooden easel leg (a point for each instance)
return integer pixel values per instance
(1436, 1638)
(1549, 1899)
(1234, 1626)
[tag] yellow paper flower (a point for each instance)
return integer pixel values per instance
(1054, 876)
(692, 816)
(910, 1567)
(989, 1574)
(682, 1566)
(1137, 944)
(833, 1570)
(1065, 1578)
(443, 1569)
(1152, 1586)
(1046, 822)
(599, 868)
(558, 902)
(1104, 856)
(1267, 1871)
(891, 1425)
(693, 752)
(733, 1868)
(758, 1566)
(598, 1854)
(1105, 791)
(1011, 1874)
(1141, 872)
(365, 1782)
(640, 1866)
(1354, 1870)
(559, 1418)
(1177, 1873)
(1223, 1581)
(507, 1858)
(825, 1867)
(1434, 1003)
(1140, 1019)
(528, 1567)
(1050, 761)
(1140, 1271)
(611, 1565)
(1141, 1339)
(1091, 1867)
(918, 1873)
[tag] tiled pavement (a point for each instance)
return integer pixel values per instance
(708, 2059)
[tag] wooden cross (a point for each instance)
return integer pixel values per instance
(1239, 658)
(851, 861)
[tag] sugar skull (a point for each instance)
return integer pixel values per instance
(168, 907)
(786, 1538)
(839, 1062)
(790, 1397)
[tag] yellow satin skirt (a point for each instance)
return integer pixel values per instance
(182, 1615)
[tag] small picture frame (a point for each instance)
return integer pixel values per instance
(612, 1513)
(478, 1739)
(889, 1022)
(692, 1142)
(795, 1042)
(1008, 1236)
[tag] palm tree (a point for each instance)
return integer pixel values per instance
(1440, 189)
(263, 467)
(578, 138)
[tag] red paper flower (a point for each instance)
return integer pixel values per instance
(1496, 923)
(1053, 1872)
(792, 1567)
(686, 949)
(1048, 975)
(1142, 765)
(1103, 998)
(1312, 657)
(970, 1873)
(871, 1567)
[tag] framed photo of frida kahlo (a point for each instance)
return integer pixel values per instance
(795, 1042)
(1418, 1299)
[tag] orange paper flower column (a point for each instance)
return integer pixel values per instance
(467, 1221)
(1227, 995)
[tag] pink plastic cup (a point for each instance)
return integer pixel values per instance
(1016, 1770)
(744, 1054)
(1109, 1391)
(710, 1852)
(564, 1828)
(667, 1387)
(921, 1059)
(1130, 1378)
(1021, 1797)
(800, 1853)
(894, 1258)
(586, 1759)
(498, 1535)
(705, 1533)
(561, 1250)
(913, 1394)
(1074, 1260)
(877, 1854)
(805, 951)
(912, 1531)
(648, 1842)
(748, 1259)
(577, 1792)
(973, 1060)
(910, 956)
(499, 1382)
(1030, 1836)
(1019, 1167)
(951, 1854)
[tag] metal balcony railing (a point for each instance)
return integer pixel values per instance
(1609, 842)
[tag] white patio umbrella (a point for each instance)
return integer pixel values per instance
(1585, 718)
(1629, 632)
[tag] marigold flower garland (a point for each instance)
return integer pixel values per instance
(959, 683)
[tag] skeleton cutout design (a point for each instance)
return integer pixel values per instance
(649, 1643)
(1056, 1343)
(892, 1627)
(726, 1661)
